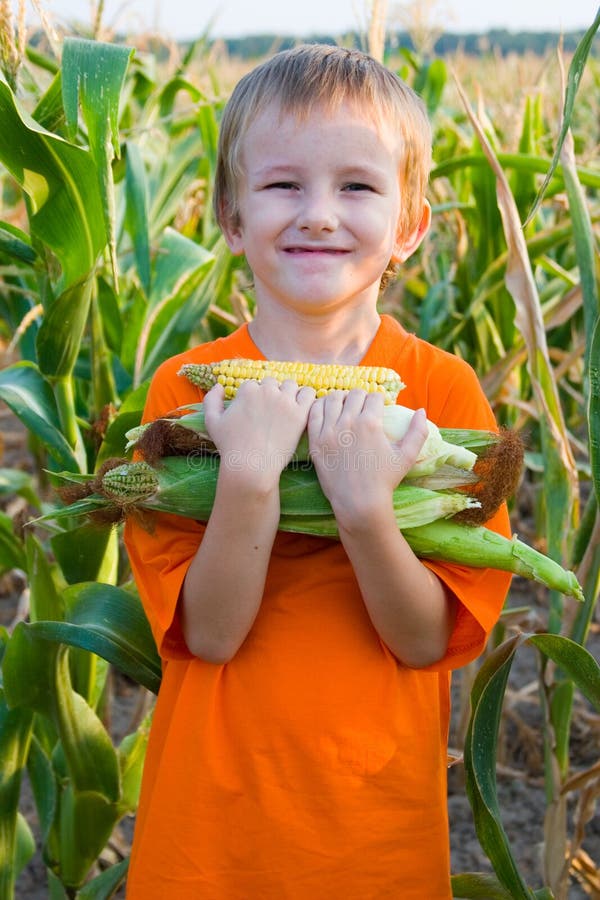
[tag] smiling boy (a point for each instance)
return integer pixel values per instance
(298, 748)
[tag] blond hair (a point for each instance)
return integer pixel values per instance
(324, 76)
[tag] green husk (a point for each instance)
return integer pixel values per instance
(187, 487)
(477, 546)
(436, 451)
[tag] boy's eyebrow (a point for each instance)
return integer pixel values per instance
(270, 168)
(368, 170)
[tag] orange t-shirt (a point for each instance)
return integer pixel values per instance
(313, 765)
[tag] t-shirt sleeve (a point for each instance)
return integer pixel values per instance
(160, 558)
(481, 593)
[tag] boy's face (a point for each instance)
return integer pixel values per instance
(319, 205)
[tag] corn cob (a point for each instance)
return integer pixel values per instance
(231, 373)
(187, 487)
(434, 453)
(130, 485)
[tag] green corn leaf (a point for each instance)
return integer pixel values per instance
(61, 182)
(574, 660)
(84, 507)
(561, 481)
(168, 94)
(594, 408)
(43, 785)
(103, 886)
(86, 553)
(169, 179)
(136, 216)
(45, 597)
(560, 707)
(15, 735)
(209, 129)
(103, 389)
(585, 532)
(12, 555)
(16, 244)
(114, 620)
(478, 886)
(25, 844)
(130, 414)
(42, 60)
(430, 82)
(573, 81)
(93, 73)
(36, 676)
(15, 481)
(110, 314)
(30, 397)
(178, 258)
(585, 244)
(180, 266)
(85, 824)
(49, 111)
(132, 753)
(59, 338)
(523, 183)
(110, 622)
(521, 161)
(481, 741)
(480, 767)
(56, 890)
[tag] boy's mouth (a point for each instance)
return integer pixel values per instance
(332, 251)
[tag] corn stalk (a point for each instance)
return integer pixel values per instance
(561, 487)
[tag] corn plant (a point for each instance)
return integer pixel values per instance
(505, 256)
(94, 248)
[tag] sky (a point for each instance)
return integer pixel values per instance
(181, 19)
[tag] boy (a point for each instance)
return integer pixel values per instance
(298, 748)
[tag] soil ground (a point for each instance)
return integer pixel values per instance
(520, 767)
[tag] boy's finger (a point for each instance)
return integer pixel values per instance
(374, 403)
(354, 401)
(315, 419)
(333, 404)
(213, 405)
(306, 395)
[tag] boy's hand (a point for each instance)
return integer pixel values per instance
(357, 466)
(257, 434)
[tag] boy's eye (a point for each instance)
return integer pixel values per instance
(357, 186)
(281, 185)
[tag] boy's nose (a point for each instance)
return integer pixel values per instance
(317, 214)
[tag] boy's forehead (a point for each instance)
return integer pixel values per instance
(301, 111)
(275, 117)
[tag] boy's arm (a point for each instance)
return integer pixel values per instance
(409, 606)
(224, 584)
(256, 437)
(411, 609)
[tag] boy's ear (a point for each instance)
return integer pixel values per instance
(406, 245)
(232, 232)
(233, 237)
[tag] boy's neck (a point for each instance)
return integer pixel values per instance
(321, 339)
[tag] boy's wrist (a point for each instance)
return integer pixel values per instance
(245, 482)
(357, 516)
